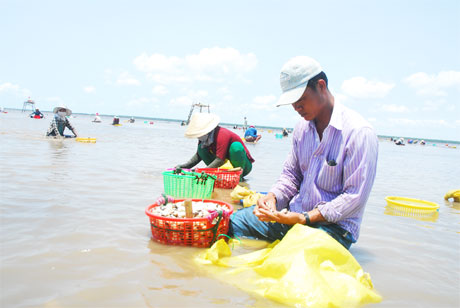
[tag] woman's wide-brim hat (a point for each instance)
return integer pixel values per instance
(67, 110)
(201, 124)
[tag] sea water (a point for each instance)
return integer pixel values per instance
(74, 233)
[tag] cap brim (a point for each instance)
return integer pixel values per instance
(291, 96)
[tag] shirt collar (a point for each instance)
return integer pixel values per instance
(336, 117)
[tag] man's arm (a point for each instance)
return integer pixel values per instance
(359, 173)
(288, 184)
(359, 170)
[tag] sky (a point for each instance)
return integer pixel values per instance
(397, 63)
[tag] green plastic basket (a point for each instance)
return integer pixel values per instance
(188, 184)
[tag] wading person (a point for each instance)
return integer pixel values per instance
(37, 114)
(60, 122)
(329, 172)
(216, 144)
(251, 134)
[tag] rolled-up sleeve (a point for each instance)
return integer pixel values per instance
(359, 171)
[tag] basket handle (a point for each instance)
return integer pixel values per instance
(203, 178)
(215, 228)
(233, 169)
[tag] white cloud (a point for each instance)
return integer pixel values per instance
(159, 90)
(125, 79)
(434, 85)
(361, 88)
(340, 98)
(157, 63)
(141, 102)
(54, 99)
(14, 88)
(169, 78)
(433, 105)
(372, 120)
(210, 65)
(8, 86)
(223, 90)
(89, 89)
(394, 108)
(181, 101)
(221, 60)
(451, 107)
(197, 95)
(403, 121)
(419, 123)
(263, 102)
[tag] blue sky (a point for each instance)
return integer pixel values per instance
(395, 62)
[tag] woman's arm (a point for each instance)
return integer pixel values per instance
(192, 162)
(216, 163)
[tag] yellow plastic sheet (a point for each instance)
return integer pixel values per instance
(308, 268)
(227, 165)
(249, 197)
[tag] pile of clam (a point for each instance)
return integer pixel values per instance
(177, 210)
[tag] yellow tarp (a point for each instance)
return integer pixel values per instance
(308, 268)
(227, 165)
(249, 197)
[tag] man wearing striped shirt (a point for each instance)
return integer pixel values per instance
(329, 173)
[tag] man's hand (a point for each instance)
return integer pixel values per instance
(268, 203)
(265, 210)
(282, 217)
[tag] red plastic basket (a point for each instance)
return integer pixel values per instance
(225, 178)
(198, 232)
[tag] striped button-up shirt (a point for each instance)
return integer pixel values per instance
(334, 174)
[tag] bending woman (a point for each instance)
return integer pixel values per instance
(60, 122)
(216, 144)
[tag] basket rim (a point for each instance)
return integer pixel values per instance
(422, 204)
(188, 174)
(219, 171)
(148, 213)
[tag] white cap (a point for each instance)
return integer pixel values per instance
(201, 124)
(294, 78)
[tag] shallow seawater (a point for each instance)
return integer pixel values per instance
(74, 232)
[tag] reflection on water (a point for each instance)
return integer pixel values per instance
(74, 232)
(454, 205)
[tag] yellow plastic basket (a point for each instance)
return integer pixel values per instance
(410, 207)
(86, 140)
